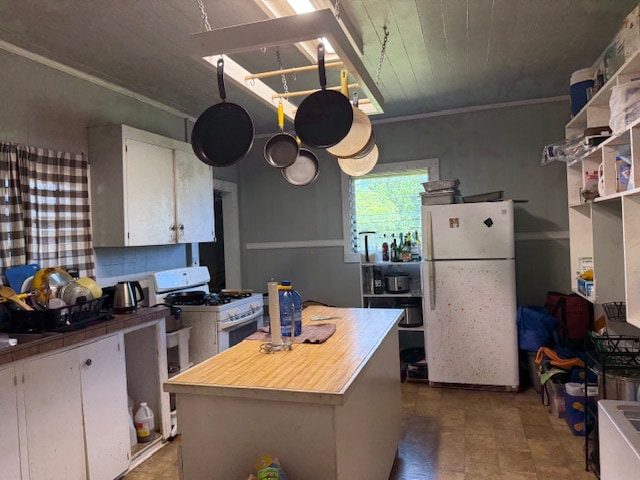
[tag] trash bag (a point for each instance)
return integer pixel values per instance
(536, 328)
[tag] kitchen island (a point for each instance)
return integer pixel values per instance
(326, 411)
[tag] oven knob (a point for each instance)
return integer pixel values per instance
(255, 305)
(232, 313)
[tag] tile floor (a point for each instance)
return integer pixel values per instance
(452, 434)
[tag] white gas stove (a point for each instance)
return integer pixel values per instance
(218, 320)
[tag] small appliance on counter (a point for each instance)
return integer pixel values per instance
(397, 282)
(412, 312)
(126, 297)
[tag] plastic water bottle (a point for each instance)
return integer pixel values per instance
(145, 428)
(290, 308)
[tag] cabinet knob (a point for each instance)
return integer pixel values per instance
(88, 362)
(173, 228)
(181, 227)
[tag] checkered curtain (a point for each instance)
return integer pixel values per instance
(45, 216)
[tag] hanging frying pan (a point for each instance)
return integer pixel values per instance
(223, 133)
(367, 148)
(360, 131)
(282, 149)
(356, 167)
(325, 117)
(304, 170)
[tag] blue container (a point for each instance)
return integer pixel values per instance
(580, 423)
(580, 84)
(290, 309)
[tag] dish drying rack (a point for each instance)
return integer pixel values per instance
(609, 353)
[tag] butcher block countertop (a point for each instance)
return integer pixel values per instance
(309, 373)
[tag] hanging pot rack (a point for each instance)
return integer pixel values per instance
(301, 93)
(205, 46)
(287, 71)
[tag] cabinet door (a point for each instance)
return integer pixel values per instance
(194, 199)
(104, 408)
(9, 440)
(149, 194)
(53, 410)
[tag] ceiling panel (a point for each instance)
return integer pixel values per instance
(441, 54)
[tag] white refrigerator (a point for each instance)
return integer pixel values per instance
(469, 294)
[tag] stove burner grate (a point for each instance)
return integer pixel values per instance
(210, 299)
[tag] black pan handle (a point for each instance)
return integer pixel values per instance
(321, 73)
(220, 73)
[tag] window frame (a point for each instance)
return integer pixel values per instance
(430, 164)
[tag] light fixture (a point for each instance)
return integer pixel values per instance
(292, 29)
(285, 8)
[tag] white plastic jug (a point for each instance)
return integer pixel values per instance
(145, 429)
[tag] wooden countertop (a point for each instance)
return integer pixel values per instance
(312, 373)
(55, 341)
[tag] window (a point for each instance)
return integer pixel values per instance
(385, 201)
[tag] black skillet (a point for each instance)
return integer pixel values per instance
(324, 117)
(282, 149)
(223, 134)
(184, 298)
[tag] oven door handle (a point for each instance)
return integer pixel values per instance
(241, 321)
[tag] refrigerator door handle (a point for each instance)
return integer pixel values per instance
(429, 239)
(429, 252)
(432, 285)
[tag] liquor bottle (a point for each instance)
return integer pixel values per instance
(400, 245)
(406, 248)
(415, 248)
(394, 248)
(385, 248)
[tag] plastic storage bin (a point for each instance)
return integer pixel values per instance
(556, 398)
(624, 105)
(575, 408)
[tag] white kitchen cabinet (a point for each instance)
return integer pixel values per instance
(194, 198)
(76, 413)
(606, 228)
(9, 440)
(147, 189)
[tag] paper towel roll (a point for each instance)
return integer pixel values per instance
(274, 313)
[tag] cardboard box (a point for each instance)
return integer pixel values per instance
(623, 174)
(586, 288)
(585, 264)
(614, 56)
(630, 33)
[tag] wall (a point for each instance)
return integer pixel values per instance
(488, 150)
(46, 107)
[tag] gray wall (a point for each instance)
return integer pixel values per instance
(487, 150)
(45, 107)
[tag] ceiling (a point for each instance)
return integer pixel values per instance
(440, 54)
